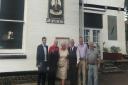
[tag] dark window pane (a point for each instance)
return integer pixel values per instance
(112, 28)
(93, 20)
(12, 9)
(11, 35)
(94, 33)
(86, 32)
(94, 39)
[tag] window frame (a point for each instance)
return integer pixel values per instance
(19, 51)
(112, 21)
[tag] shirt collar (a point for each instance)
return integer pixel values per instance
(43, 45)
(81, 45)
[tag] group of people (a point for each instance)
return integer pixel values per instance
(68, 61)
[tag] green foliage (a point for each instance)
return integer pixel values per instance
(105, 49)
(115, 49)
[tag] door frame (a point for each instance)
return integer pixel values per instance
(91, 38)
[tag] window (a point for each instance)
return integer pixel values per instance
(62, 39)
(112, 28)
(93, 35)
(86, 36)
(93, 20)
(11, 24)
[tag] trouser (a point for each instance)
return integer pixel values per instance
(82, 72)
(92, 75)
(73, 74)
(51, 77)
(41, 78)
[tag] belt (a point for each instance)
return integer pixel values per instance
(92, 63)
(82, 59)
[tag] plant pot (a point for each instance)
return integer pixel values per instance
(112, 56)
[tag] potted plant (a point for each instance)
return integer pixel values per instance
(105, 49)
(114, 55)
(115, 49)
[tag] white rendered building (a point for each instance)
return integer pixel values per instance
(24, 22)
(102, 21)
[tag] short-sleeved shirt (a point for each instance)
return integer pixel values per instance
(92, 55)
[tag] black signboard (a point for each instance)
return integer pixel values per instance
(55, 12)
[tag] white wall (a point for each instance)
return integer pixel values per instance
(120, 42)
(35, 27)
(113, 3)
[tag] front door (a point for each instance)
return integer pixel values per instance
(93, 35)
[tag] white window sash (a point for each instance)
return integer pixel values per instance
(5, 20)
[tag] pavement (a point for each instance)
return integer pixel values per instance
(120, 78)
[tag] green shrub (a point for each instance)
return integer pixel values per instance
(105, 49)
(115, 49)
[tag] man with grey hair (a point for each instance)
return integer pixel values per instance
(72, 63)
(93, 61)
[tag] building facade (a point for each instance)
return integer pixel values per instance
(102, 22)
(24, 22)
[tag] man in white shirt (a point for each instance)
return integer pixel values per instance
(42, 55)
(81, 60)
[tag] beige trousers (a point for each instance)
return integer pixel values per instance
(82, 70)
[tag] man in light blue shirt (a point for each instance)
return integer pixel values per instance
(81, 61)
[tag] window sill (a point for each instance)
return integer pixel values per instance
(13, 56)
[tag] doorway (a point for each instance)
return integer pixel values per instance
(93, 35)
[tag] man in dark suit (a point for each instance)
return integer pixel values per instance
(42, 55)
(72, 63)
